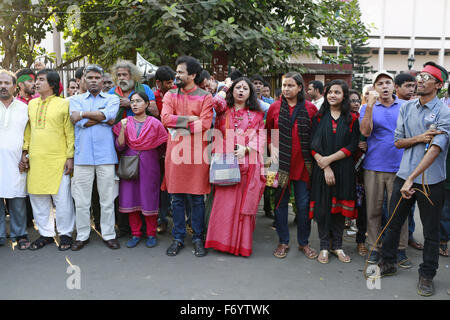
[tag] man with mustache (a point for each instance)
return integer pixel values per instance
(13, 120)
(187, 112)
(48, 156)
(423, 129)
(128, 79)
(95, 156)
(378, 122)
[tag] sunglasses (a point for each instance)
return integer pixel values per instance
(425, 77)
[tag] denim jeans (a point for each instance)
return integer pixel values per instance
(301, 195)
(445, 218)
(197, 216)
(18, 218)
(430, 217)
(163, 207)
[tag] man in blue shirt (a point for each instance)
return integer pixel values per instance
(92, 113)
(128, 79)
(423, 129)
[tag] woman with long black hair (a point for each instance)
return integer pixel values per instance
(335, 135)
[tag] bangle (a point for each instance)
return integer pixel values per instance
(81, 114)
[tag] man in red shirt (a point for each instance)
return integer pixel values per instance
(291, 117)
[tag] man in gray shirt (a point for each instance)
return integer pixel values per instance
(423, 128)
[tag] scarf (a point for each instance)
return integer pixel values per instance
(285, 125)
(122, 110)
(152, 134)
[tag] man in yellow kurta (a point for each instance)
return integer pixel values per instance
(48, 154)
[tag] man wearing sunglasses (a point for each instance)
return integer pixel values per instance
(423, 128)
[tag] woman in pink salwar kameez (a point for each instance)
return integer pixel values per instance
(241, 124)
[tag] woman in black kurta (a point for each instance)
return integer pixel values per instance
(335, 134)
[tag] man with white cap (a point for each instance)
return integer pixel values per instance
(378, 120)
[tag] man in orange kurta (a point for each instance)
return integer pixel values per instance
(187, 113)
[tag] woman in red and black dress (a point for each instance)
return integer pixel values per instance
(335, 134)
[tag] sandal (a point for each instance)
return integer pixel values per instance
(23, 243)
(323, 256)
(40, 243)
(65, 243)
(281, 251)
(443, 249)
(416, 245)
(362, 250)
(309, 252)
(341, 255)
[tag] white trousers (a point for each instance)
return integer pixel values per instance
(64, 213)
(83, 178)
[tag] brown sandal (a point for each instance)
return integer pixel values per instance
(362, 250)
(281, 251)
(309, 252)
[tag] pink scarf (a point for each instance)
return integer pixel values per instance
(152, 134)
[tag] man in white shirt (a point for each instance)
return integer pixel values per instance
(315, 93)
(13, 120)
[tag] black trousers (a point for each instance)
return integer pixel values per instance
(334, 233)
(429, 215)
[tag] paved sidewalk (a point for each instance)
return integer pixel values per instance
(142, 273)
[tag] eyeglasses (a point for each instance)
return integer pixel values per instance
(424, 77)
(355, 101)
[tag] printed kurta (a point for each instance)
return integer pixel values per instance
(187, 170)
(233, 213)
(49, 139)
(13, 121)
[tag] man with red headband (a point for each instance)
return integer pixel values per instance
(423, 128)
(26, 85)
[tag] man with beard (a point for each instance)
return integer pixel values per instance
(128, 79)
(423, 129)
(378, 122)
(95, 156)
(187, 113)
(26, 85)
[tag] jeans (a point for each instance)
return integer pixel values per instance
(301, 195)
(430, 217)
(18, 218)
(197, 216)
(361, 222)
(445, 218)
(163, 207)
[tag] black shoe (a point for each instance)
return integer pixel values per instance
(199, 250)
(425, 287)
(387, 268)
(174, 248)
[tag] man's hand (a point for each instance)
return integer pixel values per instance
(75, 117)
(362, 145)
(428, 135)
(406, 189)
(329, 176)
(373, 96)
(68, 166)
(124, 102)
(24, 163)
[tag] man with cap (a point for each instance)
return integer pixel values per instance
(378, 122)
(423, 129)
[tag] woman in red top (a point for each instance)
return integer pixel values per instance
(291, 118)
(335, 137)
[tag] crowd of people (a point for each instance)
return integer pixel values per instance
(125, 156)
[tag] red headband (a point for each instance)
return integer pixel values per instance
(435, 72)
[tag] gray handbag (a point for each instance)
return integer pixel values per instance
(129, 167)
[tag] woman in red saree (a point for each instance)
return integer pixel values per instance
(239, 125)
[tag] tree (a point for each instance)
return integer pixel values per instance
(258, 35)
(22, 27)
